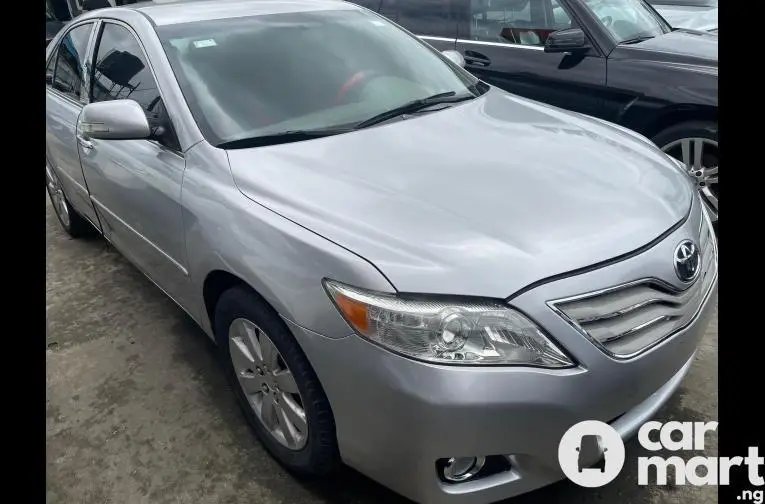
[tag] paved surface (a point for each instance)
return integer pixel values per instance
(138, 412)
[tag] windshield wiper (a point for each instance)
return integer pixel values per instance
(636, 39)
(281, 138)
(414, 106)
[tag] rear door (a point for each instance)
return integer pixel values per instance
(503, 44)
(434, 21)
(65, 95)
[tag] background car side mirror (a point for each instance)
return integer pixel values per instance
(455, 57)
(114, 120)
(570, 40)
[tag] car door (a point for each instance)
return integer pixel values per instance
(135, 185)
(433, 21)
(65, 95)
(503, 44)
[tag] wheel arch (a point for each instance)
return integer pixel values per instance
(670, 116)
(217, 282)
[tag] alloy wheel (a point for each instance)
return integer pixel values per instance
(57, 196)
(268, 384)
(701, 159)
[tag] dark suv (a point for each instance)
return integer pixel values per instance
(618, 61)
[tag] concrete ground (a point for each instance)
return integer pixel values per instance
(138, 411)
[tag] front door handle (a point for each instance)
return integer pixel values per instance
(477, 59)
(86, 144)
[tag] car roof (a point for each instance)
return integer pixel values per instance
(166, 12)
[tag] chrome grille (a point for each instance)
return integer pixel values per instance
(628, 319)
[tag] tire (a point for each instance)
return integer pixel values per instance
(75, 225)
(318, 455)
(670, 141)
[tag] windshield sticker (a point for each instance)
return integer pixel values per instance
(204, 43)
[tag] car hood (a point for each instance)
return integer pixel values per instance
(694, 49)
(482, 198)
(692, 18)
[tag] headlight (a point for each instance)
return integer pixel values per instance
(443, 332)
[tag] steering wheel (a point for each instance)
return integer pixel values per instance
(353, 82)
(607, 20)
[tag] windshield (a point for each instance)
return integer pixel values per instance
(628, 19)
(264, 75)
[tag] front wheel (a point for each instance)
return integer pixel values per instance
(695, 144)
(275, 385)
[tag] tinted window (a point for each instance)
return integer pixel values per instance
(250, 77)
(50, 68)
(70, 61)
(627, 19)
(690, 3)
(421, 17)
(523, 22)
(122, 72)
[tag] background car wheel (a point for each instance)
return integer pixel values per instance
(695, 144)
(277, 389)
(73, 223)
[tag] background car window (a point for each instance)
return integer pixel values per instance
(627, 19)
(523, 22)
(690, 3)
(561, 19)
(70, 59)
(421, 17)
(122, 72)
(49, 68)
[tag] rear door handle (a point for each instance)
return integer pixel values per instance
(86, 144)
(477, 59)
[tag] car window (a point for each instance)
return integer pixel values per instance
(523, 22)
(70, 59)
(684, 3)
(421, 17)
(561, 19)
(122, 72)
(255, 76)
(49, 68)
(627, 19)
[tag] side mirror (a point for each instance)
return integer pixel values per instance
(570, 40)
(455, 57)
(114, 120)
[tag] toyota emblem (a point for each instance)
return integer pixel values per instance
(687, 261)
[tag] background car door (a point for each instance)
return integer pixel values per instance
(432, 20)
(135, 185)
(503, 44)
(64, 97)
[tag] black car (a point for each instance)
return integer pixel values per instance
(617, 60)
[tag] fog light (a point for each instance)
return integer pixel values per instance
(462, 468)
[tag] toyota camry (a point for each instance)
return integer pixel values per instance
(405, 269)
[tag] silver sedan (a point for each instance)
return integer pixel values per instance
(405, 269)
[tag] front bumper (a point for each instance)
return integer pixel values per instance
(396, 417)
